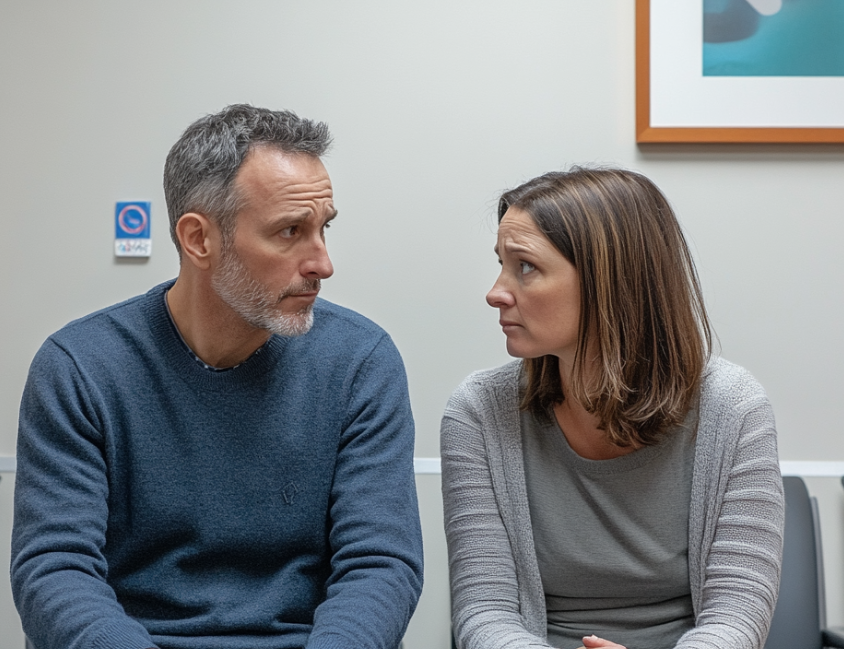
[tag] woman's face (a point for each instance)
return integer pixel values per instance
(537, 293)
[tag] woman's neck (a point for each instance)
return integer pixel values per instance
(580, 427)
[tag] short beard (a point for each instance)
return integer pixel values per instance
(255, 302)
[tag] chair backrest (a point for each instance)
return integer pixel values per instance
(801, 610)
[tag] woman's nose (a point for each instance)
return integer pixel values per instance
(498, 296)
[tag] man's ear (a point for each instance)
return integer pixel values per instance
(199, 238)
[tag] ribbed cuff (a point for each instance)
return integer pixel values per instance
(123, 634)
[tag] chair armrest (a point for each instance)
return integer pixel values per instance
(834, 637)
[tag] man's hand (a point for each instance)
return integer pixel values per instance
(594, 642)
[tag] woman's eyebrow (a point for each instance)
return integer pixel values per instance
(514, 247)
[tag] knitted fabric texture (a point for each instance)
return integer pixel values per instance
(735, 520)
(270, 506)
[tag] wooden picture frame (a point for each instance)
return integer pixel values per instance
(649, 130)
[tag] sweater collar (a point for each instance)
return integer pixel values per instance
(182, 360)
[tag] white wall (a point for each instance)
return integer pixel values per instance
(11, 636)
(436, 107)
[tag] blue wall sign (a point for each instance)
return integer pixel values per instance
(132, 229)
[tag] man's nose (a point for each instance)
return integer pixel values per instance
(318, 265)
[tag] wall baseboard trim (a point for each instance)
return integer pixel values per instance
(812, 469)
(431, 466)
(426, 465)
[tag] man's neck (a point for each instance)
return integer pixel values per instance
(209, 326)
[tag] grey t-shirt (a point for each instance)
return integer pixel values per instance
(611, 537)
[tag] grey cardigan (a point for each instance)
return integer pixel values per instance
(735, 517)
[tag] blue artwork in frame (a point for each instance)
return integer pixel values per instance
(773, 38)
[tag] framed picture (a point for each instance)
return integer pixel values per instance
(740, 71)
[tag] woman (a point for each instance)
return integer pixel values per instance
(616, 487)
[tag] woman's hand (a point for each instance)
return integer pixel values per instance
(594, 642)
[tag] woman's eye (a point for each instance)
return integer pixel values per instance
(526, 267)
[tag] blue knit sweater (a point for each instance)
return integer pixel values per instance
(270, 506)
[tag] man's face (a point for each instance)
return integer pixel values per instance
(270, 272)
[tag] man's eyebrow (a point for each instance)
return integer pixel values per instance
(296, 218)
(289, 219)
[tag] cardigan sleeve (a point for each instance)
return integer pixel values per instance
(486, 612)
(741, 570)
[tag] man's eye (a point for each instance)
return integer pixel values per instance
(286, 233)
(526, 267)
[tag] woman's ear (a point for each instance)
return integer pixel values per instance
(199, 238)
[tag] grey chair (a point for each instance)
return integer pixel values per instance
(800, 616)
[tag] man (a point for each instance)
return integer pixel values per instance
(226, 461)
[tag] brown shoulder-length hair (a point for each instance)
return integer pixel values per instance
(641, 312)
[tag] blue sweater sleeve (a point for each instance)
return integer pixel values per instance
(375, 536)
(58, 570)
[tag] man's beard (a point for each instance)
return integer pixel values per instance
(255, 302)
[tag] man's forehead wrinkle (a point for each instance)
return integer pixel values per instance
(304, 209)
(308, 197)
(319, 189)
(305, 193)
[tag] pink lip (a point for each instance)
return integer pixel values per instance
(506, 324)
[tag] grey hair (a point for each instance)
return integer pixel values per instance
(201, 167)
